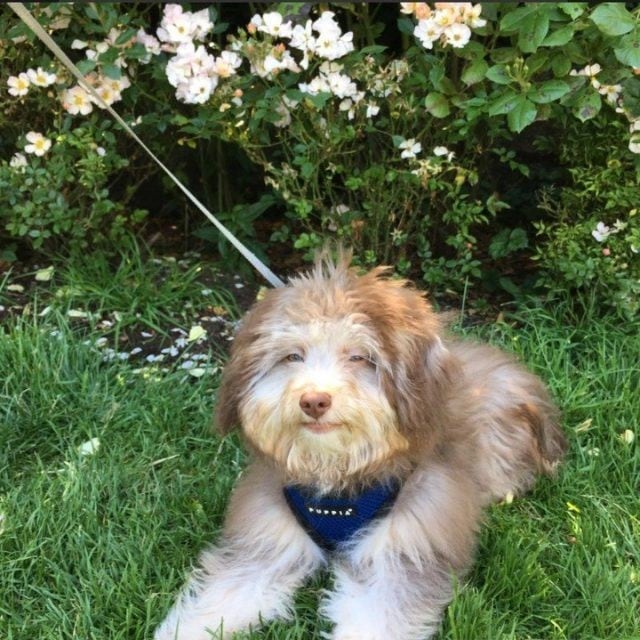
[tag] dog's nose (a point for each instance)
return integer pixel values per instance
(315, 403)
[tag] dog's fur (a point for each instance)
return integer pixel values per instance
(458, 424)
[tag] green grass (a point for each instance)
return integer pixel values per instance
(96, 546)
(154, 292)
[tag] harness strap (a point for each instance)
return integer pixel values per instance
(24, 14)
(332, 520)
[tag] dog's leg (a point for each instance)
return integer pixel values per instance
(251, 577)
(395, 581)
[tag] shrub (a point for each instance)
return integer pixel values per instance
(400, 133)
(394, 150)
(66, 179)
(65, 194)
(591, 243)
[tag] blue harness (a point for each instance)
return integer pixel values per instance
(333, 519)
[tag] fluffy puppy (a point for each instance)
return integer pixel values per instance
(376, 444)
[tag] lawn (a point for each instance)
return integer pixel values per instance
(112, 480)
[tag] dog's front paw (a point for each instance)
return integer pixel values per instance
(344, 632)
(175, 629)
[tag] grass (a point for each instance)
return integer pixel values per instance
(96, 546)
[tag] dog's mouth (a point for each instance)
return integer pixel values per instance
(321, 427)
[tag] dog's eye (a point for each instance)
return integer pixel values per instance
(294, 357)
(363, 359)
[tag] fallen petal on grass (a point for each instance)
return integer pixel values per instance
(89, 447)
(197, 333)
(15, 288)
(77, 313)
(44, 275)
(627, 436)
(585, 425)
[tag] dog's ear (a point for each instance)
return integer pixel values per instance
(243, 363)
(227, 416)
(418, 385)
(419, 368)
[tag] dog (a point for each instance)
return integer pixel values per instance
(376, 443)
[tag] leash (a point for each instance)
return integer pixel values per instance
(25, 15)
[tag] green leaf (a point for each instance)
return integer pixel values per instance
(86, 66)
(475, 72)
(220, 27)
(613, 19)
(587, 106)
(504, 104)
(498, 74)
(533, 30)
(629, 50)
(125, 36)
(373, 49)
(136, 51)
(439, 80)
(503, 55)
(509, 286)
(512, 20)
(573, 9)
(437, 105)
(559, 37)
(307, 169)
(495, 205)
(319, 100)
(537, 61)
(19, 30)
(631, 92)
(112, 71)
(406, 25)
(522, 115)
(548, 91)
(507, 241)
(471, 51)
(91, 11)
(560, 65)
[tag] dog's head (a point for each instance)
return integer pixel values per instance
(337, 377)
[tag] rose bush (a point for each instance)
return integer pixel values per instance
(404, 129)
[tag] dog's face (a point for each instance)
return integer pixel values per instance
(336, 377)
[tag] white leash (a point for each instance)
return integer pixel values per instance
(34, 25)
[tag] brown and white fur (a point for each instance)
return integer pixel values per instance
(340, 380)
